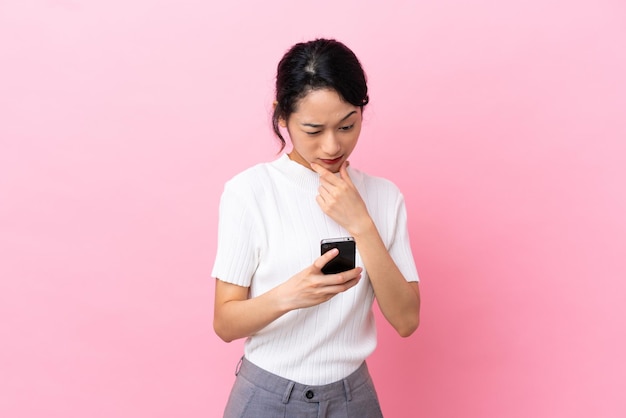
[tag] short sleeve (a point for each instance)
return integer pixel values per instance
(237, 239)
(400, 247)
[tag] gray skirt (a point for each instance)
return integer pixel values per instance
(260, 394)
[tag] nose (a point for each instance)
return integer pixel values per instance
(330, 145)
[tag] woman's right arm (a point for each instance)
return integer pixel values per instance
(237, 316)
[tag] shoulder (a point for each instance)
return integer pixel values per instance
(250, 179)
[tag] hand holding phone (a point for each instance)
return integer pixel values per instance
(345, 260)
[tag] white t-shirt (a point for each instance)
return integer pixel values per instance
(270, 228)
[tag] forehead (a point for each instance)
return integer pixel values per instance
(323, 105)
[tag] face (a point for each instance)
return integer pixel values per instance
(324, 129)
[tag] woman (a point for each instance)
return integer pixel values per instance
(308, 333)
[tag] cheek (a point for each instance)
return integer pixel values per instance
(354, 138)
(302, 145)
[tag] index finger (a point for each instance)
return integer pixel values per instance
(320, 169)
(317, 168)
(343, 171)
(325, 174)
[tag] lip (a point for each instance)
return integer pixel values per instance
(333, 161)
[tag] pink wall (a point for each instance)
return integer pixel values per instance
(503, 122)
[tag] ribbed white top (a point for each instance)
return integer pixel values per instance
(270, 228)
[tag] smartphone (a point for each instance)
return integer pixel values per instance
(345, 260)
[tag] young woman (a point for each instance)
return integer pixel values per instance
(308, 333)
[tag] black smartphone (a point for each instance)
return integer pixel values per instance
(345, 260)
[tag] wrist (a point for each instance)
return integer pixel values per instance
(363, 228)
(280, 302)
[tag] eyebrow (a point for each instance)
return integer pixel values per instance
(317, 125)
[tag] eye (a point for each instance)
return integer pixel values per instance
(312, 133)
(346, 128)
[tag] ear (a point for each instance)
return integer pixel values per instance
(281, 122)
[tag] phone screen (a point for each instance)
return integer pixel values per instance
(345, 260)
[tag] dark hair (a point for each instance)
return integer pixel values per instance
(314, 65)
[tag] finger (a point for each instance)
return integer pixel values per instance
(328, 193)
(325, 175)
(320, 201)
(333, 184)
(325, 192)
(343, 286)
(325, 200)
(322, 260)
(349, 275)
(351, 283)
(319, 169)
(343, 171)
(344, 276)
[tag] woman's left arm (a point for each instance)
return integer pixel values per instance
(399, 300)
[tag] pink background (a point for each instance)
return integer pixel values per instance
(503, 122)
